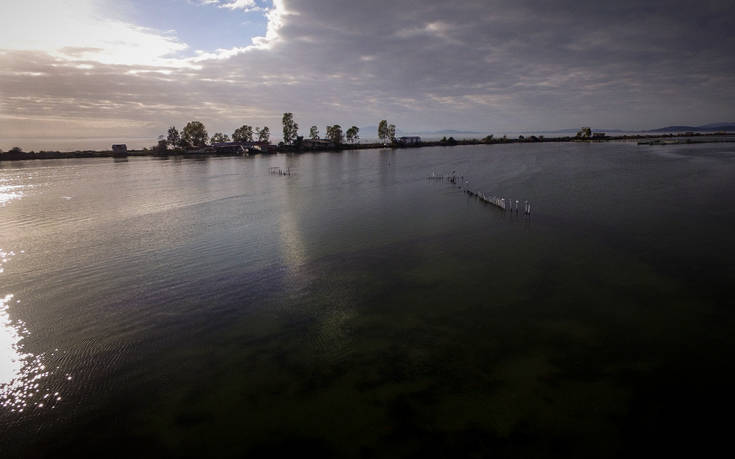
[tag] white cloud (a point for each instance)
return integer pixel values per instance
(245, 5)
(422, 64)
(276, 18)
(79, 31)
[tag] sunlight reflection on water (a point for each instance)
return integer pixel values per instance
(11, 360)
(9, 193)
(22, 373)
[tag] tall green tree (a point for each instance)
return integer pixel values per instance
(314, 133)
(194, 134)
(243, 134)
(290, 128)
(173, 138)
(353, 134)
(383, 130)
(392, 132)
(218, 137)
(334, 133)
(264, 135)
(585, 133)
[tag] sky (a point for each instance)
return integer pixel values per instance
(129, 69)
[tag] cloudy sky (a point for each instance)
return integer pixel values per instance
(127, 69)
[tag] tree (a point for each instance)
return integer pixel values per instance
(218, 137)
(392, 132)
(290, 128)
(488, 139)
(334, 133)
(194, 134)
(162, 144)
(352, 134)
(584, 133)
(243, 134)
(264, 135)
(383, 131)
(173, 138)
(314, 133)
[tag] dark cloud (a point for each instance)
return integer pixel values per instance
(483, 65)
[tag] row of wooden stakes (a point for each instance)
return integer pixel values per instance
(499, 202)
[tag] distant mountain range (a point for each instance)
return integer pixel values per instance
(445, 132)
(712, 127)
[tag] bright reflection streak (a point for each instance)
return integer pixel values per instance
(9, 192)
(11, 360)
(292, 243)
(21, 373)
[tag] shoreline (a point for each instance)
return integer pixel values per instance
(665, 139)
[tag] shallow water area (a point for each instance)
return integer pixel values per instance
(169, 306)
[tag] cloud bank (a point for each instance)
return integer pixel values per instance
(489, 66)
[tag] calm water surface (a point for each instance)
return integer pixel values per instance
(176, 306)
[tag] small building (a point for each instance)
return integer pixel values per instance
(229, 148)
(317, 144)
(258, 147)
(120, 149)
(410, 140)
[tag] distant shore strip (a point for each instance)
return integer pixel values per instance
(668, 139)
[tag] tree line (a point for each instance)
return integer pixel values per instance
(194, 134)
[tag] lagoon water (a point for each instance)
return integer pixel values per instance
(203, 307)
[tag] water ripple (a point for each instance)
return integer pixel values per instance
(23, 375)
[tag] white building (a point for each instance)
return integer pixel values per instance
(410, 140)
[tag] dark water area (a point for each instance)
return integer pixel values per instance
(156, 307)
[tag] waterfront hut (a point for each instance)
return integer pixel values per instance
(259, 147)
(317, 144)
(409, 140)
(120, 150)
(229, 148)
